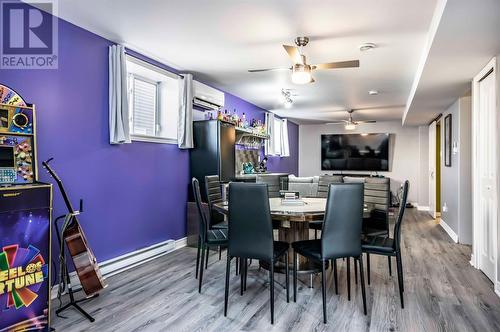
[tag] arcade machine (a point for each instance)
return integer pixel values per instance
(25, 216)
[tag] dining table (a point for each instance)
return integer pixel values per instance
(292, 222)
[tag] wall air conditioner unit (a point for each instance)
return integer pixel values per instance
(207, 98)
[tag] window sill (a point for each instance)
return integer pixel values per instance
(151, 139)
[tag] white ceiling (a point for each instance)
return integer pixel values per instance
(219, 40)
(465, 35)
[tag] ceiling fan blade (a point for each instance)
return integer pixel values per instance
(267, 69)
(337, 122)
(366, 121)
(339, 64)
(293, 53)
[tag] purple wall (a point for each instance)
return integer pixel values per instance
(134, 194)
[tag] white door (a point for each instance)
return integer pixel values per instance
(432, 169)
(486, 173)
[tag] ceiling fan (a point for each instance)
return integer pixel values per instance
(301, 70)
(350, 124)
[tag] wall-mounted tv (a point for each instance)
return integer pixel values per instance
(355, 152)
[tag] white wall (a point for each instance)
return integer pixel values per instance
(404, 161)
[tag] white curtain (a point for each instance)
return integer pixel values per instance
(285, 147)
(185, 122)
(119, 131)
(269, 146)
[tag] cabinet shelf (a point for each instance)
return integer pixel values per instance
(244, 132)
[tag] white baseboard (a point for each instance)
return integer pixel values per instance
(497, 288)
(127, 261)
(448, 230)
(422, 208)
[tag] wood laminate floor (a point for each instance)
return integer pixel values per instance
(443, 292)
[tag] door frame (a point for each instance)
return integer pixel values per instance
(478, 236)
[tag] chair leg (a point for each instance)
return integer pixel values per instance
(315, 234)
(237, 265)
(271, 283)
(220, 252)
(368, 267)
(362, 279)
(242, 275)
(206, 262)
(390, 267)
(323, 289)
(201, 266)
(335, 278)
(348, 278)
(245, 278)
(287, 278)
(355, 273)
(294, 276)
(226, 291)
(198, 257)
(400, 278)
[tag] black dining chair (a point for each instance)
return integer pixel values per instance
(323, 184)
(340, 236)
(207, 237)
(251, 235)
(214, 195)
(387, 246)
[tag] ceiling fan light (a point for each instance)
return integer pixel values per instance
(301, 74)
(350, 126)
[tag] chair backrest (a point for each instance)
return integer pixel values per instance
(324, 184)
(250, 225)
(203, 223)
(214, 195)
(403, 194)
(378, 193)
(272, 181)
(341, 235)
(213, 188)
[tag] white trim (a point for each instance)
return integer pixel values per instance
(152, 139)
(448, 230)
(478, 237)
(130, 260)
(497, 288)
(422, 208)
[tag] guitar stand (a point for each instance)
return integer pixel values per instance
(72, 302)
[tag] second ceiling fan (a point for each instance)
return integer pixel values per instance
(301, 70)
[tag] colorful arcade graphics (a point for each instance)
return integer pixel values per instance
(25, 257)
(10, 97)
(17, 145)
(16, 159)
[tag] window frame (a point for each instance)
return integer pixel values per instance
(159, 114)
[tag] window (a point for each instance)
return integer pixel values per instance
(278, 144)
(153, 102)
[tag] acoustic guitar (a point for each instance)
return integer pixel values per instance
(84, 260)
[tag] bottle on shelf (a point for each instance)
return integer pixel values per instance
(234, 117)
(244, 121)
(219, 115)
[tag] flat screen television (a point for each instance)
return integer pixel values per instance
(355, 152)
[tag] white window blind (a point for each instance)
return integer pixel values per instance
(145, 107)
(153, 102)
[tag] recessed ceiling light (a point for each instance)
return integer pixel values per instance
(367, 46)
(373, 92)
